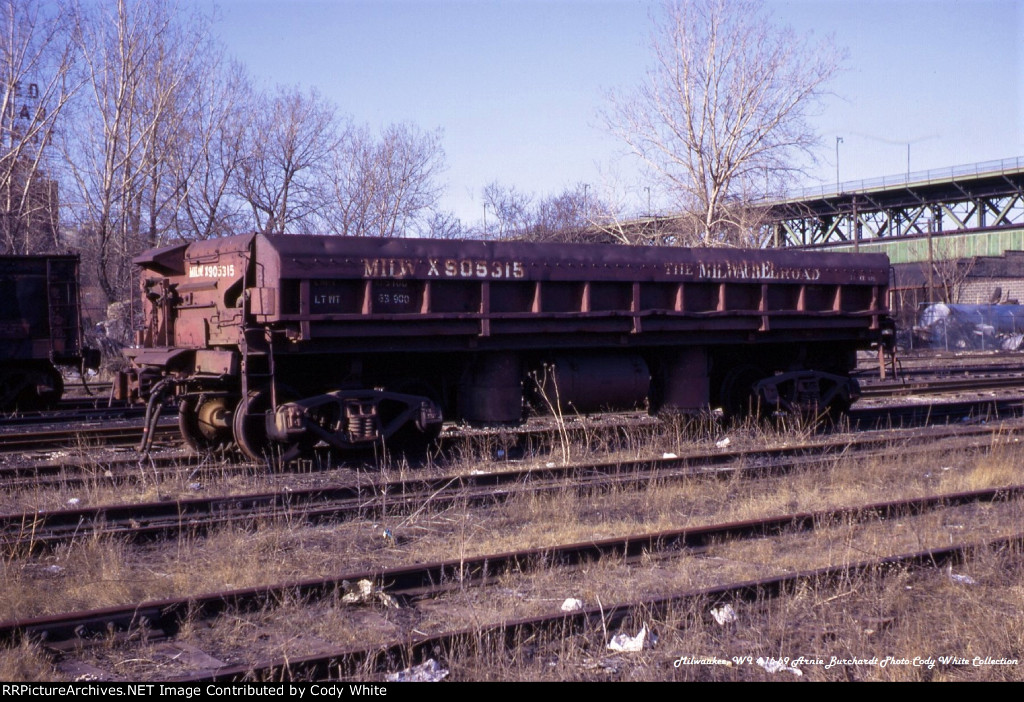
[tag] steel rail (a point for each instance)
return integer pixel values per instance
(34, 530)
(163, 617)
(348, 661)
(72, 437)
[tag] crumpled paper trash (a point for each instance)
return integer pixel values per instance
(428, 671)
(624, 643)
(724, 615)
(962, 579)
(363, 592)
(572, 604)
(773, 666)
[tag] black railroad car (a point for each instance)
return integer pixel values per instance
(40, 328)
(277, 343)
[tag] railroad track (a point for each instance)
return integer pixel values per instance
(942, 384)
(160, 620)
(928, 360)
(122, 426)
(378, 498)
(364, 660)
(128, 433)
(70, 415)
(91, 467)
(117, 432)
(508, 635)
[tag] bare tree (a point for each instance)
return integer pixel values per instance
(288, 151)
(947, 270)
(723, 116)
(386, 186)
(574, 215)
(508, 209)
(180, 66)
(352, 185)
(142, 67)
(37, 56)
(565, 217)
(445, 225)
(409, 162)
(207, 166)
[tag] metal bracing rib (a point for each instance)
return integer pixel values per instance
(886, 229)
(911, 219)
(873, 202)
(948, 209)
(832, 229)
(849, 227)
(817, 232)
(870, 217)
(904, 221)
(871, 222)
(1003, 213)
(913, 193)
(1016, 185)
(792, 234)
(976, 207)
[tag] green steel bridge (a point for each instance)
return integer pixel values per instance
(950, 213)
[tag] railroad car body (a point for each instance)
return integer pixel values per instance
(40, 328)
(278, 343)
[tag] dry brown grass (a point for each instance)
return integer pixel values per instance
(901, 615)
(98, 571)
(26, 663)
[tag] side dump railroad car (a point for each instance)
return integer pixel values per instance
(40, 326)
(278, 343)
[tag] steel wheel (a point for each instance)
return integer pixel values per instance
(12, 383)
(20, 388)
(412, 441)
(249, 426)
(205, 423)
(737, 395)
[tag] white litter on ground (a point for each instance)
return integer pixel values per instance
(624, 643)
(428, 671)
(962, 579)
(364, 592)
(776, 666)
(724, 615)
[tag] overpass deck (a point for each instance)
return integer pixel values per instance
(979, 197)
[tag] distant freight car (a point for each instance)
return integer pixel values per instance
(278, 343)
(40, 328)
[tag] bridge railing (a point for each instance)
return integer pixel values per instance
(932, 175)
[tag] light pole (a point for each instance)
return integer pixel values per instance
(839, 140)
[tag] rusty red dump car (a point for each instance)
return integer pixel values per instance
(280, 343)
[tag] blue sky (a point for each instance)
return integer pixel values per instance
(517, 85)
